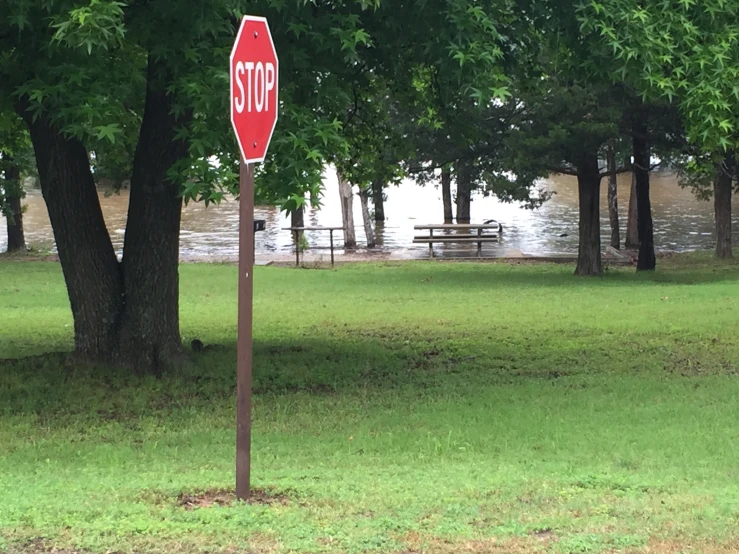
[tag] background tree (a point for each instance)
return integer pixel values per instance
(684, 53)
(713, 176)
(568, 120)
(16, 161)
(613, 196)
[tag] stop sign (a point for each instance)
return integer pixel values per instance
(254, 76)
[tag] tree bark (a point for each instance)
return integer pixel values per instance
(368, 231)
(589, 261)
(378, 199)
(14, 216)
(464, 192)
(632, 230)
(347, 213)
(722, 207)
(297, 219)
(446, 194)
(149, 337)
(89, 263)
(647, 258)
(613, 198)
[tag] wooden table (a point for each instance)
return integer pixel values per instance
(465, 233)
(296, 235)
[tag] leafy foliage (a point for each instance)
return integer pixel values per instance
(686, 52)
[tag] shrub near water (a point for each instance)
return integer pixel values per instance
(399, 407)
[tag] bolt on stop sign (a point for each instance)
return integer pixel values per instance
(254, 78)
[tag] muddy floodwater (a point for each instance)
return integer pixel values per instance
(680, 221)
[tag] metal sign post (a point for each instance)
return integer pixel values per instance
(244, 343)
(254, 103)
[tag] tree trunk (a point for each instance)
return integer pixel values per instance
(464, 192)
(589, 262)
(297, 219)
(446, 194)
(91, 269)
(127, 312)
(149, 334)
(378, 199)
(632, 231)
(613, 198)
(347, 213)
(722, 207)
(647, 259)
(13, 195)
(368, 231)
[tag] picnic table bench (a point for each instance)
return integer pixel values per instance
(465, 233)
(296, 235)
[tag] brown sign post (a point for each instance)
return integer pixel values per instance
(254, 83)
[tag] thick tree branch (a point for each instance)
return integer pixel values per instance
(562, 170)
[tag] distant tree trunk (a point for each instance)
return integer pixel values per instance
(364, 195)
(378, 199)
(464, 192)
(632, 230)
(297, 219)
(722, 207)
(647, 259)
(149, 336)
(613, 198)
(446, 194)
(589, 262)
(347, 213)
(14, 194)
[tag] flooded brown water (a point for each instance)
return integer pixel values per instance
(680, 221)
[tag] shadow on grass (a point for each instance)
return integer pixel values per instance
(56, 383)
(55, 386)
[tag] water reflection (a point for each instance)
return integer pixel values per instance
(680, 221)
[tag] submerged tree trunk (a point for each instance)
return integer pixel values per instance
(464, 192)
(647, 259)
(613, 198)
(722, 207)
(378, 199)
(589, 261)
(149, 337)
(632, 230)
(368, 231)
(91, 270)
(13, 196)
(446, 194)
(347, 212)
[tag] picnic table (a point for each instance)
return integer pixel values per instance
(464, 233)
(296, 235)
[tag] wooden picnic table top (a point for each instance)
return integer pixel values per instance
(312, 228)
(453, 226)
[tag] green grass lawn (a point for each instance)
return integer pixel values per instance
(418, 407)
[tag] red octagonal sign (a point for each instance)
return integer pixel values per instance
(254, 77)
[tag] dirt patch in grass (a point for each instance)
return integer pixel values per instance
(485, 546)
(223, 497)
